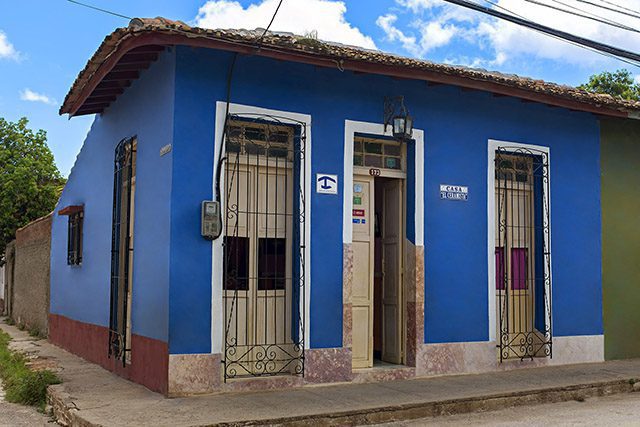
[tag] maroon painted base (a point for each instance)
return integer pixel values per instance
(149, 357)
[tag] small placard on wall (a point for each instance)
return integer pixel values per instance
(326, 183)
(165, 150)
(454, 192)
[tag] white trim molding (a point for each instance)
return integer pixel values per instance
(350, 129)
(217, 308)
(492, 146)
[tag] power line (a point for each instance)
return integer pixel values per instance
(617, 52)
(591, 49)
(585, 14)
(630, 13)
(270, 22)
(100, 10)
(618, 6)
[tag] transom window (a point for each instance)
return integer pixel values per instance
(516, 168)
(255, 138)
(377, 153)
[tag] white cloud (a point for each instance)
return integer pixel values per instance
(507, 37)
(441, 23)
(6, 48)
(327, 17)
(31, 96)
(433, 34)
(387, 22)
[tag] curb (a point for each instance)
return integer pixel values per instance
(67, 413)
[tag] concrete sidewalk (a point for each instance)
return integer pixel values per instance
(91, 395)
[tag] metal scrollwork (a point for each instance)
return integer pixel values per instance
(264, 249)
(523, 253)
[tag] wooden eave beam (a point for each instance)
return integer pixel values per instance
(99, 99)
(113, 84)
(107, 92)
(148, 48)
(131, 66)
(70, 210)
(155, 40)
(102, 105)
(121, 75)
(132, 58)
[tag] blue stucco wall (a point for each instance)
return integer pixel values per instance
(457, 126)
(82, 293)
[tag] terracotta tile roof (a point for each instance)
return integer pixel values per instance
(163, 32)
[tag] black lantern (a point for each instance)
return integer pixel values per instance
(396, 115)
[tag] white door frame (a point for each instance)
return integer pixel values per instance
(492, 146)
(350, 129)
(217, 293)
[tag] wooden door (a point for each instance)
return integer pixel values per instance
(258, 259)
(362, 288)
(391, 229)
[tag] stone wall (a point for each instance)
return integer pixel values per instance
(30, 288)
(9, 257)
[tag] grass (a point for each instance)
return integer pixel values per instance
(36, 333)
(21, 384)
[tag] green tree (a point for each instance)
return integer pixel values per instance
(620, 84)
(30, 182)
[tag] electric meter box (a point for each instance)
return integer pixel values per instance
(211, 221)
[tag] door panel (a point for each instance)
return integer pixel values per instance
(392, 271)
(258, 299)
(362, 287)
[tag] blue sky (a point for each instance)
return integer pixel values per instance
(45, 43)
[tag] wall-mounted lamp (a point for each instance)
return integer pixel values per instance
(397, 116)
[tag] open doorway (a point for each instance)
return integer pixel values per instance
(387, 280)
(378, 336)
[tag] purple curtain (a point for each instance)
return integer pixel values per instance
(500, 268)
(519, 268)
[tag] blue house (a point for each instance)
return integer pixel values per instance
(253, 212)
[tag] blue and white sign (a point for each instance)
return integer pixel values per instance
(454, 192)
(326, 184)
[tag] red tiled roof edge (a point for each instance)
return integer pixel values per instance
(300, 49)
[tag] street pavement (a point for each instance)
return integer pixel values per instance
(90, 395)
(12, 414)
(618, 410)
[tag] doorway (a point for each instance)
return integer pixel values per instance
(262, 249)
(378, 242)
(522, 255)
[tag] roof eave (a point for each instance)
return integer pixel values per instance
(135, 39)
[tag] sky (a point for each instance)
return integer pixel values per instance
(45, 43)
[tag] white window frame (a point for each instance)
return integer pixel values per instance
(492, 146)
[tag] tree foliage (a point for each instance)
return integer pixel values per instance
(620, 84)
(30, 182)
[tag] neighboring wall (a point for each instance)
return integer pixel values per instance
(621, 237)
(30, 289)
(80, 295)
(10, 255)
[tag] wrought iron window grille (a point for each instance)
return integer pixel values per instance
(264, 253)
(523, 253)
(74, 238)
(121, 250)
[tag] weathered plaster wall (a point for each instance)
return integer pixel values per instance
(82, 292)
(457, 126)
(80, 295)
(621, 237)
(30, 299)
